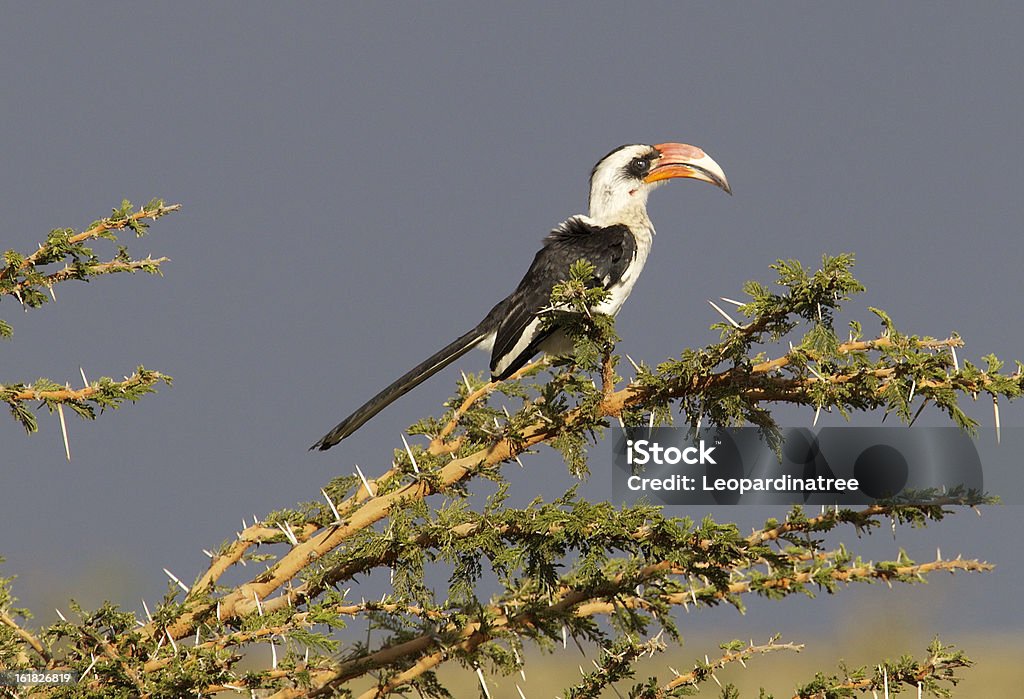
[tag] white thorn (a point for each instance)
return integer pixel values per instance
(366, 483)
(209, 554)
(565, 637)
(176, 581)
(820, 319)
(159, 645)
(938, 554)
(636, 367)
(273, 655)
(518, 461)
(913, 387)
(995, 411)
(245, 525)
(61, 615)
(408, 450)
(483, 682)
(817, 412)
(218, 610)
(885, 680)
(146, 607)
(259, 604)
(465, 380)
(88, 669)
(64, 430)
(673, 670)
(171, 639)
(732, 301)
(197, 637)
(956, 362)
(286, 528)
(337, 515)
(716, 679)
(515, 654)
(53, 294)
(723, 314)
(85, 381)
(521, 695)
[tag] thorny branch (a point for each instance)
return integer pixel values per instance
(22, 277)
(634, 566)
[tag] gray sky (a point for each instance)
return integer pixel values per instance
(362, 182)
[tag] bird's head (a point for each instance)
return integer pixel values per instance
(621, 180)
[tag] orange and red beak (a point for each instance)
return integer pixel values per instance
(682, 160)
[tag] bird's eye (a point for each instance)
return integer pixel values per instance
(638, 166)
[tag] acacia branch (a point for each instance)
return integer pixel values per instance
(659, 563)
(940, 666)
(68, 395)
(437, 445)
(241, 600)
(581, 603)
(701, 672)
(26, 636)
(610, 403)
(69, 272)
(96, 230)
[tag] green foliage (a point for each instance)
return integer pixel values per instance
(30, 279)
(554, 569)
(728, 382)
(930, 676)
(572, 310)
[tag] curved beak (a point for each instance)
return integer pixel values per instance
(682, 160)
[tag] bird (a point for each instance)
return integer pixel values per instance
(615, 237)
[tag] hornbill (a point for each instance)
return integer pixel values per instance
(615, 238)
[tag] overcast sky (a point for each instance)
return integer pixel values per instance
(361, 182)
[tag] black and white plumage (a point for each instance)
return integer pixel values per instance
(615, 237)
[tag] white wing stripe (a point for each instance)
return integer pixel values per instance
(527, 336)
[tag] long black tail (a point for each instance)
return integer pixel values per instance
(408, 381)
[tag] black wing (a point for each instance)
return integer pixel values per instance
(610, 250)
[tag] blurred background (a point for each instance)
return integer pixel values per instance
(361, 183)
